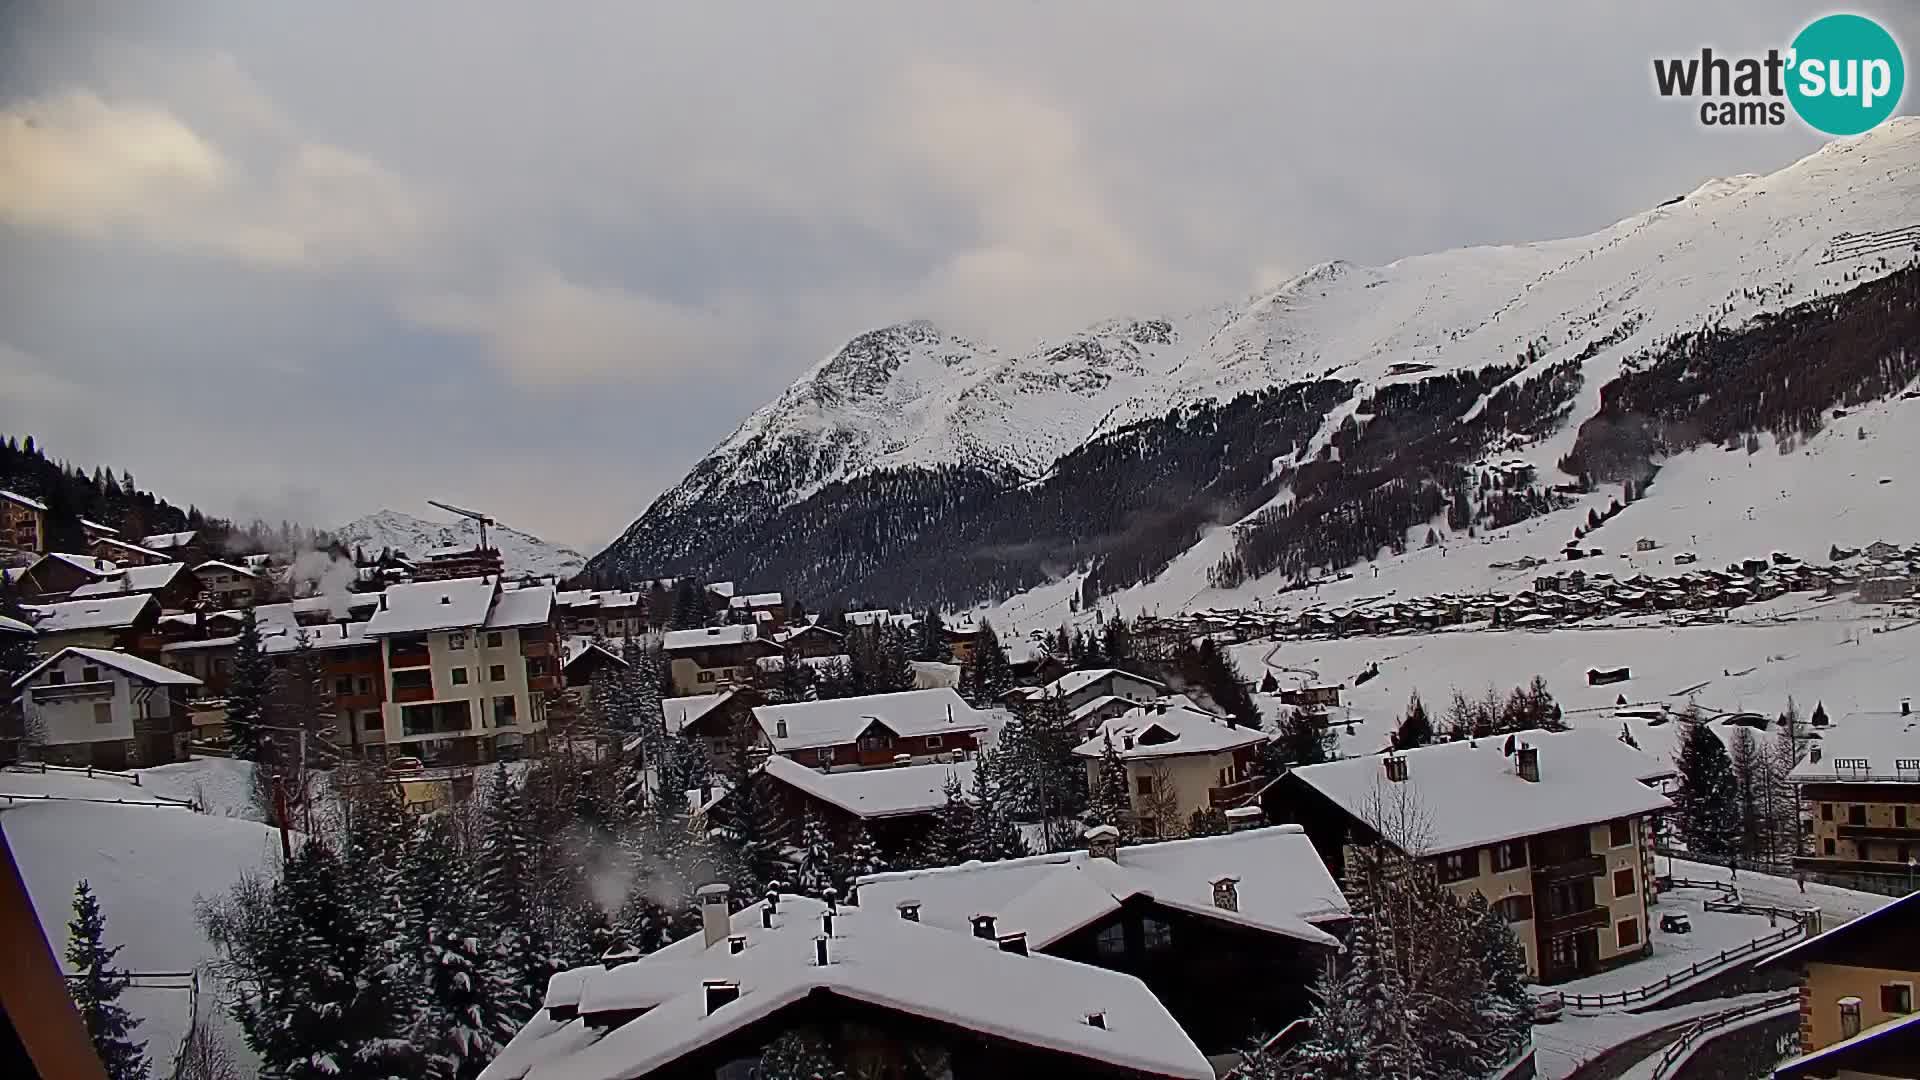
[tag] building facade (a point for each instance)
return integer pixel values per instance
(105, 709)
(1861, 786)
(23, 522)
(1857, 991)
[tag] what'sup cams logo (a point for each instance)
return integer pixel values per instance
(1842, 75)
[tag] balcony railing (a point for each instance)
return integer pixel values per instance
(548, 683)
(402, 658)
(1881, 832)
(537, 649)
(69, 691)
(1583, 866)
(1573, 922)
(413, 693)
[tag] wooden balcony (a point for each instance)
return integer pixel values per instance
(409, 658)
(538, 649)
(1881, 832)
(1552, 926)
(412, 693)
(1585, 866)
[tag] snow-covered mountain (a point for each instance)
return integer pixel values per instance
(416, 536)
(913, 398)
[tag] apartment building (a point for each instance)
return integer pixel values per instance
(1178, 758)
(1553, 828)
(608, 613)
(228, 586)
(1861, 784)
(105, 709)
(469, 667)
(1857, 1015)
(1078, 688)
(23, 522)
(712, 658)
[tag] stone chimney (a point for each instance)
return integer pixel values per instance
(1226, 893)
(1014, 943)
(720, 992)
(909, 910)
(1242, 818)
(1528, 758)
(1103, 842)
(1396, 768)
(715, 922)
(983, 926)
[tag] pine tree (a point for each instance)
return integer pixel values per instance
(1708, 796)
(505, 896)
(951, 842)
(1269, 684)
(465, 1016)
(930, 638)
(994, 834)
(1749, 784)
(1303, 741)
(990, 675)
(817, 857)
(863, 857)
(798, 1055)
(96, 986)
(1416, 727)
(248, 691)
(1111, 802)
(1502, 1010)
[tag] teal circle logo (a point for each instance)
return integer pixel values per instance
(1847, 74)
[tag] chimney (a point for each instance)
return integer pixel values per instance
(1097, 1020)
(780, 727)
(820, 951)
(910, 909)
(1814, 754)
(383, 601)
(1014, 943)
(720, 992)
(1103, 842)
(1529, 758)
(832, 896)
(714, 920)
(1242, 818)
(737, 944)
(983, 926)
(1226, 893)
(1906, 706)
(826, 923)
(766, 916)
(1396, 768)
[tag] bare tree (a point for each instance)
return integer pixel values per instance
(1162, 803)
(205, 1056)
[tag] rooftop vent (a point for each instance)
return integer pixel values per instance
(1396, 768)
(820, 950)
(1242, 818)
(1097, 1020)
(714, 919)
(1226, 893)
(983, 926)
(780, 727)
(1014, 943)
(720, 993)
(1103, 841)
(1529, 763)
(446, 599)
(909, 910)
(737, 944)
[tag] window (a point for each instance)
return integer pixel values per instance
(413, 679)
(705, 676)
(459, 676)
(1849, 1017)
(494, 639)
(1143, 785)
(1515, 908)
(1510, 856)
(89, 674)
(1622, 832)
(370, 720)
(1899, 817)
(1856, 815)
(1829, 845)
(56, 677)
(456, 641)
(1896, 999)
(1826, 811)
(343, 685)
(365, 684)
(503, 714)
(1626, 933)
(1623, 882)
(1156, 934)
(1459, 865)
(876, 742)
(497, 673)
(935, 742)
(103, 712)
(1111, 941)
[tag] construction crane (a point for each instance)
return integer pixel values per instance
(476, 516)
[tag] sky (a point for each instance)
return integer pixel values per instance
(308, 261)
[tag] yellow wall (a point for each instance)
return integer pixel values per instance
(1824, 986)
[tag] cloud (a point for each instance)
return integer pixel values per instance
(544, 329)
(77, 163)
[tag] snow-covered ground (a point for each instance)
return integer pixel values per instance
(1713, 933)
(1837, 905)
(222, 787)
(1565, 1045)
(147, 864)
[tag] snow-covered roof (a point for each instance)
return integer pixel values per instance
(1152, 732)
(98, 527)
(1865, 746)
(576, 653)
(87, 564)
(702, 637)
(875, 958)
(876, 793)
(216, 564)
(16, 497)
(164, 541)
(134, 579)
(756, 600)
(521, 607)
(1073, 681)
(681, 711)
(96, 614)
(876, 616)
(1470, 794)
(1091, 707)
(791, 632)
(837, 721)
(1282, 884)
(144, 670)
(122, 545)
(720, 588)
(14, 626)
(420, 606)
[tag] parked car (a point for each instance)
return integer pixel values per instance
(402, 766)
(1676, 922)
(1548, 1005)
